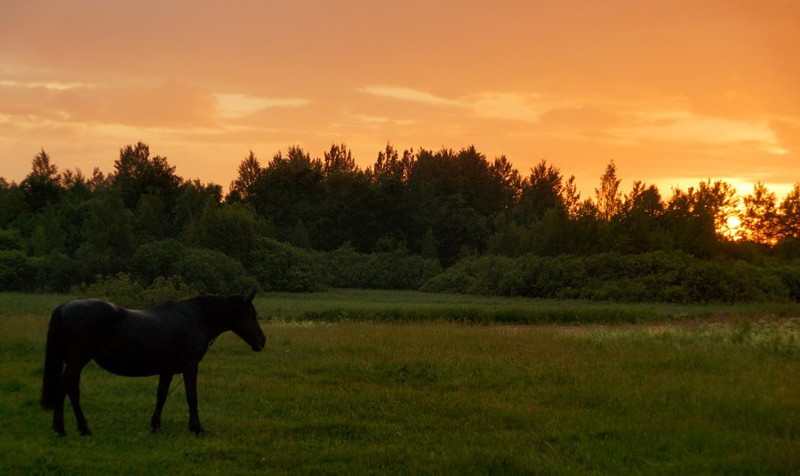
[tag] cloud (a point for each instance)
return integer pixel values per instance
(685, 127)
(48, 85)
(513, 106)
(487, 105)
(409, 94)
(234, 106)
(170, 104)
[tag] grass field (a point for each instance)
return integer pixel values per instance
(364, 393)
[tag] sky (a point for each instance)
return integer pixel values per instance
(675, 92)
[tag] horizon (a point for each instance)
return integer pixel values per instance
(626, 183)
(675, 94)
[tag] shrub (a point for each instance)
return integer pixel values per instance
(54, 272)
(119, 288)
(10, 240)
(125, 291)
(164, 289)
(790, 277)
(346, 268)
(660, 276)
(16, 273)
(157, 259)
(282, 267)
(212, 272)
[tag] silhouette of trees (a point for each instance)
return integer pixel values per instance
(759, 221)
(408, 214)
(789, 215)
(609, 197)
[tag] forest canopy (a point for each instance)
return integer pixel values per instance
(418, 219)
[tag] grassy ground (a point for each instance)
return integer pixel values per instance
(355, 397)
(403, 306)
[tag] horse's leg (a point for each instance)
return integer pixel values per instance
(164, 381)
(190, 383)
(71, 385)
(58, 410)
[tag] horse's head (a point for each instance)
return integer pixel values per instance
(244, 322)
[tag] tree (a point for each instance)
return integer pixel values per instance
(338, 159)
(390, 202)
(540, 192)
(571, 198)
(639, 226)
(289, 190)
(43, 185)
(250, 172)
(789, 214)
(347, 210)
(609, 198)
(137, 174)
(717, 199)
(389, 164)
(759, 220)
(230, 228)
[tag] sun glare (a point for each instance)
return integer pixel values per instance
(732, 230)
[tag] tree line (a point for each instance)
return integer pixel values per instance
(413, 217)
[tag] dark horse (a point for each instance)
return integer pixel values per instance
(163, 340)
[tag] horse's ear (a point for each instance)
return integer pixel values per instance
(249, 299)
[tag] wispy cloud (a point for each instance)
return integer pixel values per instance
(409, 94)
(488, 105)
(49, 85)
(233, 106)
(513, 106)
(686, 127)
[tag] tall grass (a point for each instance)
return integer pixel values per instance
(353, 397)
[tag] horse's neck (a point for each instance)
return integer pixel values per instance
(215, 321)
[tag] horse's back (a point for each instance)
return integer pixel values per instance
(89, 316)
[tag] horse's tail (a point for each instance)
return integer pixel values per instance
(53, 362)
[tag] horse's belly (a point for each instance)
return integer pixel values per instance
(129, 367)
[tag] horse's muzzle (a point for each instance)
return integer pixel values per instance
(259, 346)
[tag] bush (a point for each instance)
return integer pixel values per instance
(282, 267)
(10, 240)
(157, 259)
(212, 272)
(659, 276)
(16, 273)
(120, 289)
(790, 277)
(347, 268)
(125, 291)
(200, 269)
(54, 272)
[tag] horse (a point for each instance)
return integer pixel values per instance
(163, 340)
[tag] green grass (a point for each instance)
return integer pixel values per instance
(404, 306)
(356, 397)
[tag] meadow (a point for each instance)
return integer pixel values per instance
(358, 382)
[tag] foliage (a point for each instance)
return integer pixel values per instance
(659, 277)
(15, 271)
(123, 290)
(212, 272)
(301, 223)
(281, 267)
(396, 269)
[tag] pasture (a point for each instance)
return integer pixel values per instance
(379, 384)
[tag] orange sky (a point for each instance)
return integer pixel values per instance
(675, 91)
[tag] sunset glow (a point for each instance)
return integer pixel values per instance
(674, 92)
